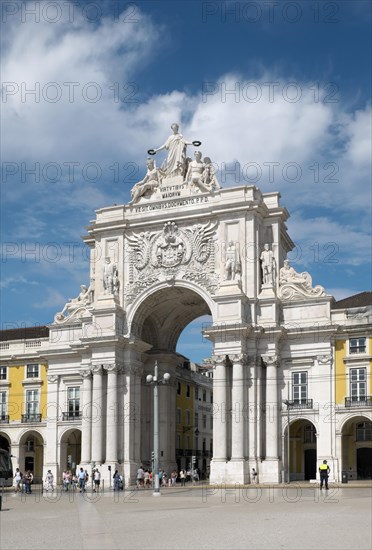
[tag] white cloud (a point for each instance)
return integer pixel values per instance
(14, 282)
(53, 299)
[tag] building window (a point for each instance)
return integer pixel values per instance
(188, 442)
(204, 444)
(187, 418)
(196, 393)
(357, 345)
(73, 402)
(211, 398)
(178, 388)
(309, 434)
(3, 373)
(196, 443)
(204, 421)
(211, 422)
(364, 431)
(178, 416)
(32, 371)
(32, 402)
(187, 390)
(358, 384)
(178, 441)
(204, 395)
(3, 407)
(299, 387)
(196, 421)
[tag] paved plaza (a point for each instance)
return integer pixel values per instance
(181, 518)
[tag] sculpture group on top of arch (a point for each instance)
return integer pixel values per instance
(179, 175)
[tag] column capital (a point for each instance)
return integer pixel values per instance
(271, 360)
(52, 378)
(97, 369)
(239, 358)
(112, 367)
(85, 373)
(219, 360)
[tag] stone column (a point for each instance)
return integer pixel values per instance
(97, 416)
(86, 421)
(132, 420)
(53, 414)
(219, 417)
(238, 412)
(112, 413)
(271, 406)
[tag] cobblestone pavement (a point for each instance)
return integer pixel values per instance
(295, 517)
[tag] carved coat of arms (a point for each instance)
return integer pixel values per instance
(186, 253)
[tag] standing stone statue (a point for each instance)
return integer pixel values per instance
(109, 277)
(268, 265)
(232, 263)
(176, 144)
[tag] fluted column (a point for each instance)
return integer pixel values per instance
(86, 421)
(112, 413)
(219, 402)
(271, 406)
(97, 415)
(238, 407)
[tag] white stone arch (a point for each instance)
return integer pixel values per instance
(350, 446)
(144, 312)
(305, 451)
(64, 448)
(357, 416)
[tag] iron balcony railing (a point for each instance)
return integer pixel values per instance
(4, 418)
(359, 401)
(300, 404)
(30, 417)
(71, 415)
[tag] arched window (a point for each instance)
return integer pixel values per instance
(364, 431)
(309, 434)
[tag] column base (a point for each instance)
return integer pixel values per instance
(269, 471)
(231, 472)
(217, 471)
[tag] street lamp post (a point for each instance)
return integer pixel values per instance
(155, 382)
(286, 402)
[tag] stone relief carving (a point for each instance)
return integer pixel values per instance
(295, 286)
(186, 253)
(76, 307)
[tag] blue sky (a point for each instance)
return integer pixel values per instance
(279, 93)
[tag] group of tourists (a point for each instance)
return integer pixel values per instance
(145, 477)
(23, 482)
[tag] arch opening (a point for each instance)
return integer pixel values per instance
(161, 317)
(356, 437)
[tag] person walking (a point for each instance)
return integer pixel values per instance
(116, 478)
(18, 479)
(97, 480)
(49, 481)
(324, 470)
(82, 479)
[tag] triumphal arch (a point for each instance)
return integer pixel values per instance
(184, 247)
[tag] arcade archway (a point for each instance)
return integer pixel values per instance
(70, 450)
(303, 450)
(357, 447)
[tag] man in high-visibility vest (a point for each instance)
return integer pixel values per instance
(324, 470)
